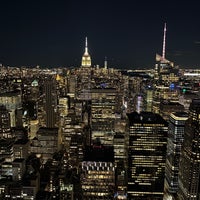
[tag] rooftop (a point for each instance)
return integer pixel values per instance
(145, 118)
(99, 153)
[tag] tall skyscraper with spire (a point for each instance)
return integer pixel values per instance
(166, 79)
(161, 60)
(85, 75)
(86, 59)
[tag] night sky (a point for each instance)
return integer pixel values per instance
(128, 33)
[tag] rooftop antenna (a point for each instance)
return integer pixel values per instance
(164, 42)
(105, 63)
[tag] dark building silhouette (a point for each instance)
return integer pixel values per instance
(147, 153)
(50, 102)
(189, 173)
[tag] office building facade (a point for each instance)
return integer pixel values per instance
(174, 143)
(147, 154)
(98, 177)
(189, 172)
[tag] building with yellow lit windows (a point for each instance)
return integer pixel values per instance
(86, 59)
(147, 153)
(84, 78)
(98, 177)
(189, 166)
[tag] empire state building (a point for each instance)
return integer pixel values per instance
(86, 59)
(85, 75)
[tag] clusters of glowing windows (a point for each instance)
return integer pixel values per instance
(147, 142)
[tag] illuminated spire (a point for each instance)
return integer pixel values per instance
(86, 46)
(86, 59)
(164, 41)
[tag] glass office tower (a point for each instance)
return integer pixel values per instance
(189, 172)
(174, 144)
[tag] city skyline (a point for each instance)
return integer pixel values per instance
(52, 34)
(99, 133)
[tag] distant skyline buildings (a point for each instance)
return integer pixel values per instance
(109, 60)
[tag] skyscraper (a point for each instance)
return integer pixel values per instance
(86, 59)
(98, 177)
(45, 144)
(146, 161)
(49, 103)
(165, 79)
(103, 109)
(5, 127)
(189, 172)
(84, 80)
(12, 101)
(174, 144)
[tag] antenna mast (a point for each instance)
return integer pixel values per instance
(105, 63)
(164, 41)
